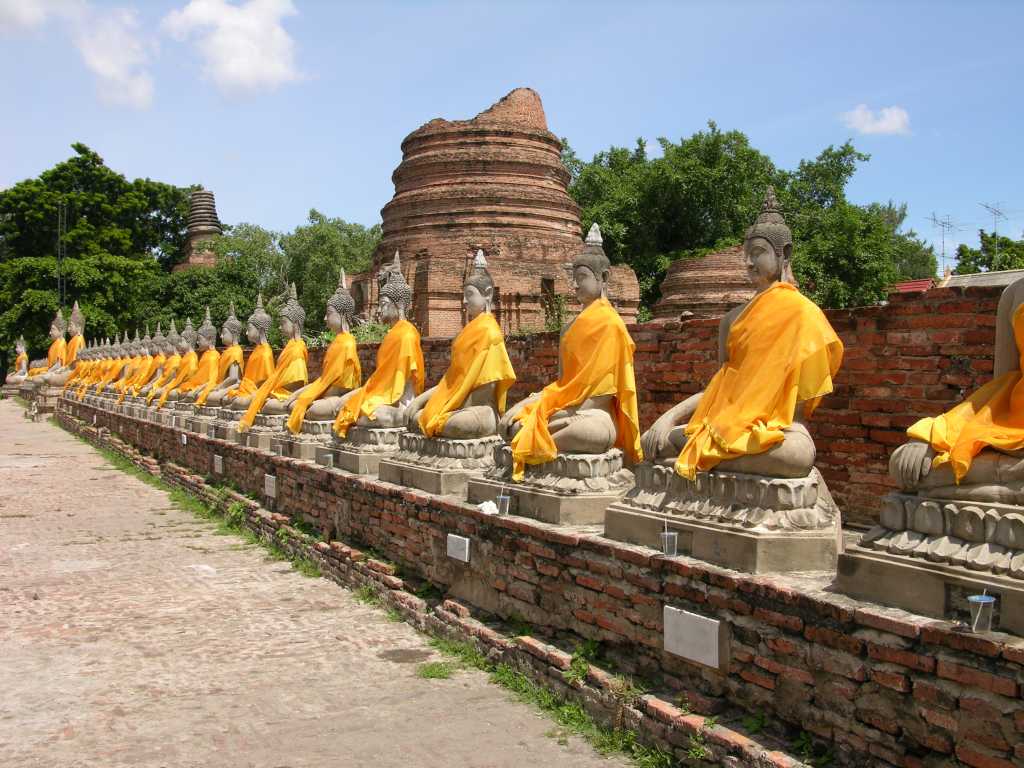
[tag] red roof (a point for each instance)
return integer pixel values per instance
(913, 286)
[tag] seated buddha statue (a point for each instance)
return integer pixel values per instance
(75, 343)
(975, 450)
(141, 368)
(20, 372)
(260, 363)
(156, 356)
(778, 356)
(399, 375)
(168, 370)
(54, 355)
(229, 371)
(207, 364)
(592, 406)
(289, 374)
(84, 365)
(470, 399)
(97, 366)
(134, 353)
(341, 372)
(186, 367)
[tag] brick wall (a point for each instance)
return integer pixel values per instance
(914, 357)
(880, 686)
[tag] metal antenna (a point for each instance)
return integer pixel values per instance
(946, 225)
(997, 214)
(62, 231)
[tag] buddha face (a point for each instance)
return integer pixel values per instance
(55, 331)
(764, 266)
(332, 319)
(183, 346)
(252, 333)
(476, 301)
(587, 285)
(227, 338)
(204, 343)
(287, 327)
(388, 310)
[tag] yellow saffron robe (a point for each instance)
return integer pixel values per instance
(291, 369)
(171, 365)
(130, 372)
(188, 365)
(231, 356)
(781, 351)
(205, 373)
(991, 417)
(596, 355)
(54, 355)
(258, 368)
(111, 373)
(73, 348)
(148, 372)
(21, 359)
(138, 372)
(78, 375)
(478, 358)
(399, 359)
(340, 369)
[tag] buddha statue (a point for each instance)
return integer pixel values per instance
(141, 367)
(20, 372)
(76, 330)
(208, 365)
(84, 365)
(290, 373)
(340, 373)
(156, 356)
(186, 367)
(134, 353)
(229, 371)
(55, 354)
(738, 455)
(399, 375)
(260, 363)
(165, 373)
(592, 407)
(120, 359)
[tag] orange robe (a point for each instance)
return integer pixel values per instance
(258, 368)
(781, 351)
(130, 372)
(171, 365)
(596, 355)
(54, 356)
(111, 373)
(79, 374)
(991, 417)
(74, 347)
(155, 363)
(205, 373)
(188, 365)
(231, 356)
(291, 369)
(399, 359)
(478, 358)
(340, 369)
(144, 367)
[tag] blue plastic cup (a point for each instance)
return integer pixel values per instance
(982, 607)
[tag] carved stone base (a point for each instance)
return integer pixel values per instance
(361, 451)
(263, 431)
(303, 446)
(746, 522)
(11, 390)
(944, 546)
(441, 466)
(43, 397)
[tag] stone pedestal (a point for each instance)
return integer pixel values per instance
(438, 465)
(180, 412)
(927, 555)
(574, 489)
(46, 399)
(226, 426)
(264, 429)
(362, 450)
(202, 419)
(314, 435)
(11, 390)
(745, 522)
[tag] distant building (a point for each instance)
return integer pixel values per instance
(978, 279)
(708, 286)
(913, 286)
(203, 225)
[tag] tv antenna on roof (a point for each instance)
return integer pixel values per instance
(997, 214)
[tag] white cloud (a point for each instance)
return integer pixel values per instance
(244, 47)
(114, 50)
(887, 120)
(110, 42)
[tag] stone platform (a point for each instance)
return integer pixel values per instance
(574, 489)
(745, 522)
(362, 450)
(303, 446)
(939, 551)
(441, 466)
(263, 431)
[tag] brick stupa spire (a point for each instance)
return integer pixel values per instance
(203, 226)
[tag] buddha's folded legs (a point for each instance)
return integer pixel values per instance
(57, 379)
(470, 423)
(583, 430)
(994, 476)
(216, 399)
(274, 407)
(325, 409)
(239, 403)
(792, 458)
(384, 417)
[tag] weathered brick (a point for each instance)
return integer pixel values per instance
(903, 658)
(782, 620)
(975, 677)
(978, 757)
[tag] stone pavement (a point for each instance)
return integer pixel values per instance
(132, 635)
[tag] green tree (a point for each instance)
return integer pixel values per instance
(995, 253)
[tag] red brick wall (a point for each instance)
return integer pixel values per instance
(914, 357)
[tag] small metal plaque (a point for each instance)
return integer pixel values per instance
(211, 432)
(184, 439)
(694, 637)
(270, 486)
(458, 548)
(218, 465)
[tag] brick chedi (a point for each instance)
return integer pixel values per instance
(495, 183)
(705, 287)
(203, 225)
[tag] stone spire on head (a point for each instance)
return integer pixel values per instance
(593, 256)
(77, 319)
(59, 323)
(158, 338)
(293, 310)
(188, 334)
(173, 338)
(342, 300)
(479, 277)
(396, 288)
(260, 319)
(207, 330)
(233, 324)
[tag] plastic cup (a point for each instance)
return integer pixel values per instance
(669, 543)
(504, 502)
(982, 607)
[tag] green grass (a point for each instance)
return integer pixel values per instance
(465, 653)
(367, 595)
(435, 670)
(585, 653)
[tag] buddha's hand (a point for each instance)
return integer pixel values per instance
(911, 463)
(290, 402)
(655, 440)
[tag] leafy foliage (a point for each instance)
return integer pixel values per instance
(997, 252)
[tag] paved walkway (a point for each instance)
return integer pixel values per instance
(132, 635)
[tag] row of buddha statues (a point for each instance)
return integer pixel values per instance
(729, 470)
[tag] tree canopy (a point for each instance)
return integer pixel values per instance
(996, 252)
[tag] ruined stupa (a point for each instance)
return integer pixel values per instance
(203, 225)
(495, 183)
(708, 286)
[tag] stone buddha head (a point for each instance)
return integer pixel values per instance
(135, 348)
(158, 346)
(173, 340)
(76, 324)
(258, 324)
(591, 269)
(19, 345)
(340, 307)
(395, 295)
(768, 246)
(206, 337)
(231, 331)
(58, 326)
(146, 345)
(187, 341)
(478, 291)
(293, 316)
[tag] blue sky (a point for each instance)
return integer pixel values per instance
(281, 106)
